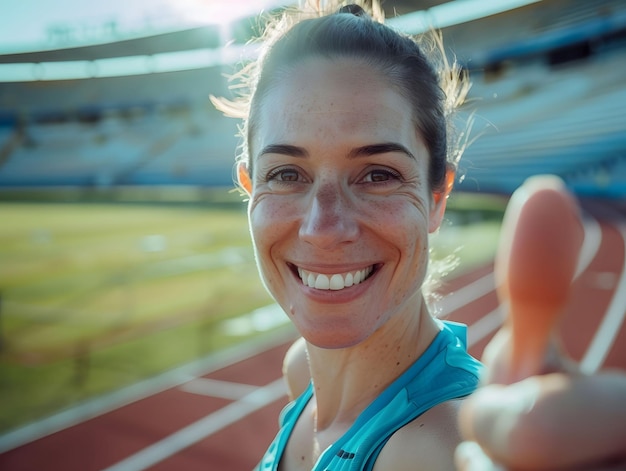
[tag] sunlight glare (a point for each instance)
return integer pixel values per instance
(218, 12)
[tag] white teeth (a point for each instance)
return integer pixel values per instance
(334, 282)
(322, 282)
(349, 281)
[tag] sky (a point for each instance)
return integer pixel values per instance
(26, 24)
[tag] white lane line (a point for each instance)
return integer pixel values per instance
(216, 388)
(465, 295)
(591, 244)
(485, 325)
(611, 323)
(202, 428)
(95, 407)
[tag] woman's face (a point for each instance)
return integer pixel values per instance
(340, 208)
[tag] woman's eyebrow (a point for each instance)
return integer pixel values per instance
(362, 151)
(383, 148)
(284, 149)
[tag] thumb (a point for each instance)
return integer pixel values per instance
(539, 247)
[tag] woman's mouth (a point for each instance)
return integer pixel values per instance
(335, 281)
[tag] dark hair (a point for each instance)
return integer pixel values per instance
(430, 84)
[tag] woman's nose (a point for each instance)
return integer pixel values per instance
(329, 219)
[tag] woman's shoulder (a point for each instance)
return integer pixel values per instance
(428, 441)
(296, 369)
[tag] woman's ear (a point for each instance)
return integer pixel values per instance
(440, 198)
(243, 178)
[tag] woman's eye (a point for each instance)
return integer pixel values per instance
(380, 175)
(284, 175)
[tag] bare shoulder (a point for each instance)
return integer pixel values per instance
(296, 369)
(426, 444)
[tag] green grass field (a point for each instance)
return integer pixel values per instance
(98, 296)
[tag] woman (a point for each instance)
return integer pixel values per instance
(347, 163)
(347, 168)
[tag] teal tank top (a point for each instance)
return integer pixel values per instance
(444, 371)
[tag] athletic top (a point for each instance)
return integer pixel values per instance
(444, 371)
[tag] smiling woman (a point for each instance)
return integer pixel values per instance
(352, 196)
(347, 166)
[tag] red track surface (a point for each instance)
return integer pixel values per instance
(227, 423)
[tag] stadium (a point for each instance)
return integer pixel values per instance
(116, 177)
(95, 129)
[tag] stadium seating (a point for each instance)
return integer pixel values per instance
(537, 107)
(567, 120)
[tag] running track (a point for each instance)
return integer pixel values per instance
(221, 413)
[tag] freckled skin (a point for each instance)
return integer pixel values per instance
(331, 217)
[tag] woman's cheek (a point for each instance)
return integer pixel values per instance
(270, 218)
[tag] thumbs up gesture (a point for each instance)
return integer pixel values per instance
(541, 239)
(536, 410)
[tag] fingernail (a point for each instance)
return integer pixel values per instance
(544, 181)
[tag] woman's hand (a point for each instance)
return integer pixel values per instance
(536, 410)
(548, 422)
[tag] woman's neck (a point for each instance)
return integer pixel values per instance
(347, 380)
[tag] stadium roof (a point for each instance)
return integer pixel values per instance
(201, 46)
(63, 27)
(180, 40)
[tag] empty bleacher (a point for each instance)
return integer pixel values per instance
(152, 149)
(534, 112)
(567, 120)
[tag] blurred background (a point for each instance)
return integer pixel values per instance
(124, 250)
